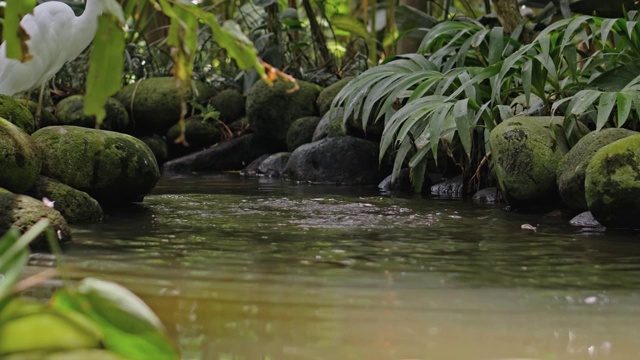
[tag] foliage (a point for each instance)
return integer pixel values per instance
(90, 314)
(462, 85)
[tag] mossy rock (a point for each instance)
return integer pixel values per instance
(71, 112)
(230, 103)
(15, 112)
(526, 152)
(22, 212)
(76, 206)
(154, 104)
(330, 125)
(111, 167)
(200, 134)
(301, 131)
(573, 166)
(272, 109)
(158, 146)
(19, 158)
(326, 96)
(612, 183)
(46, 116)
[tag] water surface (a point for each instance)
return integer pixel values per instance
(264, 269)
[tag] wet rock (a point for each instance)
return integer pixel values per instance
(75, 206)
(15, 112)
(403, 183)
(573, 166)
(234, 154)
(199, 133)
(22, 212)
(153, 104)
(252, 168)
(585, 219)
(111, 167)
(158, 146)
(230, 103)
(19, 158)
(274, 165)
(71, 112)
(326, 96)
(330, 125)
(526, 156)
(490, 195)
(449, 188)
(612, 184)
(272, 109)
(301, 131)
(341, 161)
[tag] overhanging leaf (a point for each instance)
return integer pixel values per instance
(605, 106)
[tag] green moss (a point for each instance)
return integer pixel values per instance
(230, 103)
(326, 96)
(19, 158)
(76, 206)
(18, 114)
(301, 131)
(71, 112)
(200, 134)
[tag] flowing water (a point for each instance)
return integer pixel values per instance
(263, 269)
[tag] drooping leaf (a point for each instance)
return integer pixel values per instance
(617, 78)
(13, 34)
(605, 106)
(624, 102)
(351, 25)
(582, 101)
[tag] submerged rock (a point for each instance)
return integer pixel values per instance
(585, 219)
(449, 188)
(573, 166)
(490, 195)
(340, 161)
(71, 112)
(272, 109)
(301, 131)
(22, 212)
(612, 184)
(76, 206)
(19, 158)
(526, 152)
(153, 104)
(274, 165)
(252, 168)
(234, 154)
(111, 167)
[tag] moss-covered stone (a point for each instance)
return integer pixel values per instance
(111, 167)
(230, 103)
(526, 152)
(272, 109)
(154, 104)
(76, 206)
(301, 131)
(15, 112)
(612, 183)
(326, 96)
(573, 166)
(200, 134)
(19, 158)
(22, 212)
(158, 146)
(46, 116)
(330, 125)
(71, 112)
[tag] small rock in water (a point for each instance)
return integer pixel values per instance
(528, 227)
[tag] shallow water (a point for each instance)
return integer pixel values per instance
(263, 269)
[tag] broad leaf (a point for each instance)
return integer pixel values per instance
(13, 34)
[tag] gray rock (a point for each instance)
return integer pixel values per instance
(234, 154)
(75, 206)
(573, 166)
(111, 167)
(340, 161)
(330, 125)
(272, 109)
(449, 188)
(301, 131)
(612, 184)
(19, 158)
(274, 165)
(252, 168)
(490, 195)
(403, 183)
(585, 219)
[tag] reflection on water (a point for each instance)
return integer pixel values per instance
(263, 269)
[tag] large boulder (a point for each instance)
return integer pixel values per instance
(612, 184)
(301, 131)
(234, 154)
(198, 132)
(231, 105)
(111, 167)
(154, 104)
(76, 206)
(326, 96)
(71, 112)
(526, 152)
(22, 212)
(272, 109)
(14, 111)
(573, 166)
(340, 161)
(19, 158)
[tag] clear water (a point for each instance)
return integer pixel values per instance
(263, 269)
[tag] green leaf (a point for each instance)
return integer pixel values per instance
(582, 101)
(13, 34)
(461, 116)
(605, 106)
(351, 25)
(106, 67)
(130, 328)
(624, 102)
